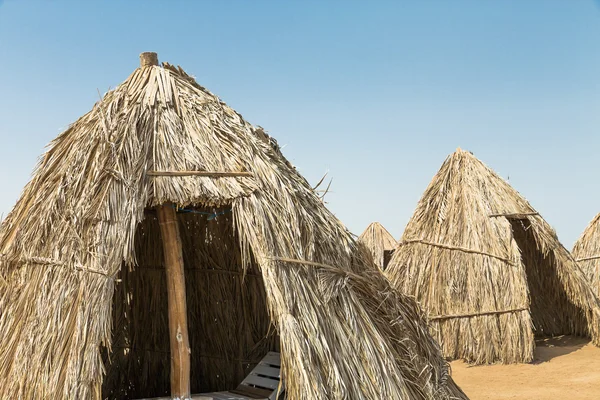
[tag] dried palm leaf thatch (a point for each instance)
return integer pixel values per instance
(487, 268)
(268, 267)
(379, 242)
(587, 253)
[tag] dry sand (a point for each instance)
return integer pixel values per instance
(564, 368)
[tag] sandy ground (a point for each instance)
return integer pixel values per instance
(564, 368)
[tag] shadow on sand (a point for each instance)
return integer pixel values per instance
(551, 347)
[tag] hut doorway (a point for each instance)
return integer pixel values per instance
(551, 311)
(229, 326)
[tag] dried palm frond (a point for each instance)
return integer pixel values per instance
(83, 310)
(379, 242)
(487, 268)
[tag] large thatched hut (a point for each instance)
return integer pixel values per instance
(161, 176)
(379, 242)
(487, 268)
(587, 253)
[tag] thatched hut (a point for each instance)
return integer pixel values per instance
(162, 176)
(487, 268)
(587, 253)
(379, 242)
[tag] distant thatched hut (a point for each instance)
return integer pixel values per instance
(267, 266)
(379, 242)
(587, 253)
(487, 268)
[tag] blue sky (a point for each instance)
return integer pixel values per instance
(376, 95)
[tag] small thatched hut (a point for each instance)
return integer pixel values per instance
(162, 176)
(379, 242)
(487, 268)
(587, 253)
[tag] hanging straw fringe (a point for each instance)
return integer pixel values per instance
(211, 216)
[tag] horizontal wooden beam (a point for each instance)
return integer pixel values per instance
(477, 314)
(588, 258)
(457, 248)
(199, 173)
(161, 268)
(303, 262)
(514, 215)
(50, 262)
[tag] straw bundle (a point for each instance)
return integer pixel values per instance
(83, 288)
(587, 253)
(379, 242)
(487, 268)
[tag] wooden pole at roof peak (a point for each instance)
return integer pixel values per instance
(178, 327)
(148, 59)
(173, 254)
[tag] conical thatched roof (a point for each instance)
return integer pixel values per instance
(83, 294)
(487, 268)
(378, 240)
(587, 253)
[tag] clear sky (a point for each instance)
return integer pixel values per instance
(375, 93)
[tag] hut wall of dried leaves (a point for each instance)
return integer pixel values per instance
(379, 242)
(488, 269)
(587, 253)
(83, 297)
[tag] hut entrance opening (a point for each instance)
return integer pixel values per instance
(551, 311)
(229, 327)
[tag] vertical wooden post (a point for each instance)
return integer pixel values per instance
(178, 328)
(173, 253)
